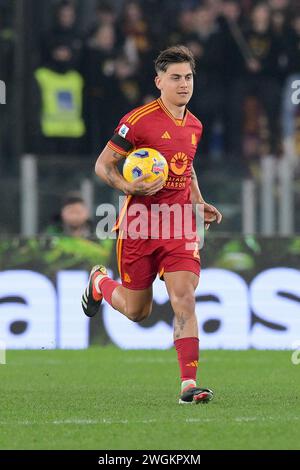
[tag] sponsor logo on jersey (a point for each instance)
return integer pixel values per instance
(179, 163)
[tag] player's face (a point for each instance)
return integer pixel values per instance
(176, 84)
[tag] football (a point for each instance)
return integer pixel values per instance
(145, 161)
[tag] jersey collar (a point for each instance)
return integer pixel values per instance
(177, 122)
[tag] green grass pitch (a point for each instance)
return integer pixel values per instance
(106, 398)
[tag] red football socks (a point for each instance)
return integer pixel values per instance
(188, 357)
(106, 286)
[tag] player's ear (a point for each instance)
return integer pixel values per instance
(158, 82)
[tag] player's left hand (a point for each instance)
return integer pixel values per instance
(211, 214)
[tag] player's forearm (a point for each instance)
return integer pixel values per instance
(110, 174)
(196, 196)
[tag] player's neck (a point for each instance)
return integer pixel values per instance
(177, 111)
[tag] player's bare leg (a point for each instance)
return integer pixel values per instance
(181, 286)
(136, 305)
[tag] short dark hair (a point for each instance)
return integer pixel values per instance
(72, 197)
(174, 55)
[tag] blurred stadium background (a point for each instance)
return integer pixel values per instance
(96, 57)
(248, 57)
(99, 55)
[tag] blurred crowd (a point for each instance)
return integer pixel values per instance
(247, 53)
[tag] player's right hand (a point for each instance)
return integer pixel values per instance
(139, 187)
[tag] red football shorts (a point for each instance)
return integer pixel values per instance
(139, 261)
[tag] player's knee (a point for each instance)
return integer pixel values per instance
(183, 301)
(138, 315)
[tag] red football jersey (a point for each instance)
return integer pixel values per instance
(153, 126)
